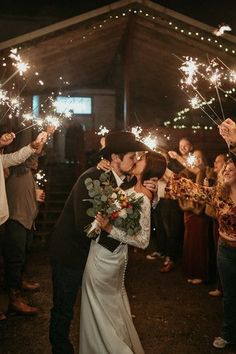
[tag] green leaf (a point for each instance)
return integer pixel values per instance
(96, 183)
(103, 198)
(103, 177)
(88, 181)
(118, 222)
(91, 212)
(92, 193)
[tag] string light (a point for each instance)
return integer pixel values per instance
(163, 20)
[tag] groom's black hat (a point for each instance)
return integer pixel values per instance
(122, 142)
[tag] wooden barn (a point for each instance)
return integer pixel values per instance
(122, 61)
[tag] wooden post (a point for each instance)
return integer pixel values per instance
(127, 70)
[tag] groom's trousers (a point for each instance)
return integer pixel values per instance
(66, 283)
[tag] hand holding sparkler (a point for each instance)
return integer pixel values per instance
(50, 129)
(40, 195)
(6, 139)
(38, 143)
(227, 130)
(173, 154)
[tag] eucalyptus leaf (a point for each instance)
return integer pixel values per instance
(91, 212)
(88, 181)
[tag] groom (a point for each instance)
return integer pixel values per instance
(69, 243)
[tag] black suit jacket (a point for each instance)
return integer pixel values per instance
(69, 244)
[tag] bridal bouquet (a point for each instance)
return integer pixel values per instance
(122, 210)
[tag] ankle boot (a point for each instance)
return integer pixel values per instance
(19, 305)
(30, 286)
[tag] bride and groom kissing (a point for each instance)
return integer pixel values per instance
(98, 265)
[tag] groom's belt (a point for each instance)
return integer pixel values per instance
(108, 242)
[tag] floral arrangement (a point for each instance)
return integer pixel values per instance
(122, 210)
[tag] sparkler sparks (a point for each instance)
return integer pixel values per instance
(195, 102)
(189, 69)
(3, 97)
(137, 131)
(191, 160)
(53, 121)
(102, 130)
(150, 141)
(40, 178)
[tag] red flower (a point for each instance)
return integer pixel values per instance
(114, 215)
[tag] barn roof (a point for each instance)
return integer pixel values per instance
(130, 44)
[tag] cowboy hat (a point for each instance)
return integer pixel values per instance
(122, 142)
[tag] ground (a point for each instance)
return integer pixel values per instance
(171, 316)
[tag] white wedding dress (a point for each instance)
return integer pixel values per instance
(106, 325)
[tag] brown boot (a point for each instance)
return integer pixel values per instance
(18, 304)
(167, 267)
(30, 286)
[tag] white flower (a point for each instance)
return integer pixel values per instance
(114, 196)
(123, 214)
(117, 204)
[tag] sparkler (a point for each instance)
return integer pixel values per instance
(40, 178)
(189, 68)
(3, 97)
(195, 102)
(137, 131)
(215, 78)
(53, 121)
(102, 130)
(20, 65)
(191, 160)
(150, 141)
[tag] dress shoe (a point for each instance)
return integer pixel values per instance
(2, 316)
(167, 267)
(18, 304)
(220, 343)
(215, 293)
(30, 286)
(196, 281)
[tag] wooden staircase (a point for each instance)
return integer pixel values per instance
(60, 180)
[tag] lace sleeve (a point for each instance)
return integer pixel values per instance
(141, 239)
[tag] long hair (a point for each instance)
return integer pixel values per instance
(155, 166)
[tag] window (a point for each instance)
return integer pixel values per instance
(75, 105)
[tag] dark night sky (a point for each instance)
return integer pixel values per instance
(213, 12)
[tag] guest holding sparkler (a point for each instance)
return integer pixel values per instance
(169, 216)
(219, 164)
(197, 224)
(12, 159)
(223, 199)
(228, 132)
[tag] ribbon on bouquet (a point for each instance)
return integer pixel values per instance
(93, 230)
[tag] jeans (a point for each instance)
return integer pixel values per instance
(15, 245)
(226, 259)
(66, 283)
(169, 225)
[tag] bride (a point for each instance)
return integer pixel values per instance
(106, 325)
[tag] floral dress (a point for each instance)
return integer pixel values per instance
(216, 196)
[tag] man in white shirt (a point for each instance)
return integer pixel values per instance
(7, 160)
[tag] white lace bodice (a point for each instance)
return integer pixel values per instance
(141, 239)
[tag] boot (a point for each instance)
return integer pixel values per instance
(30, 286)
(18, 304)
